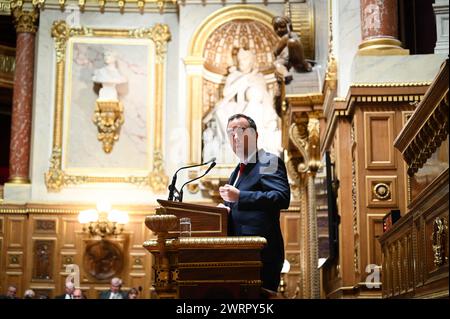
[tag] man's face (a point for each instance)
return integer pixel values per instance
(69, 290)
(77, 294)
(11, 293)
(242, 137)
(115, 288)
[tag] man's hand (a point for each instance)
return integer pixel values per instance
(229, 193)
(223, 206)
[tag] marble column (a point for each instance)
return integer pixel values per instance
(379, 28)
(19, 159)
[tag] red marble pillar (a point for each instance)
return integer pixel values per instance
(379, 28)
(19, 159)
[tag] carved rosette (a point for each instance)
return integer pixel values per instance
(108, 116)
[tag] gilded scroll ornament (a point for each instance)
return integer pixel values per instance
(108, 116)
(160, 34)
(158, 179)
(54, 178)
(439, 240)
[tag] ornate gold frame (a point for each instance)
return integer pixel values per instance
(55, 177)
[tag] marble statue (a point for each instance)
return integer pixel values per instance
(109, 76)
(245, 91)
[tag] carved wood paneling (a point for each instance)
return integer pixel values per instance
(22, 250)
(137, 231)
(413, 266)
(378, 138)
(14, 259)
(43, 259)
(374, 231)
(16, 232)
(45, 225)
(292, 234)
(70, 226)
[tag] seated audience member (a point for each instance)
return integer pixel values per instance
(78, 294)
(10, 293)
(68, 291)
(133, 293)
(29, 294)
(115, 291)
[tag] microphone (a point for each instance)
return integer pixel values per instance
(194, 179)
(173, 192)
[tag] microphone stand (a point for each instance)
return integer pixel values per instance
(207, 171)
(174, 194)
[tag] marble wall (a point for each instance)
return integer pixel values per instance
(131, 151)
(346, 38)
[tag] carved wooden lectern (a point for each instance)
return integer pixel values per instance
(206, 265)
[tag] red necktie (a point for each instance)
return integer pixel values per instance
(241, 169)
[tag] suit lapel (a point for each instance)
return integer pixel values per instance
(233, 175)
(246, 173)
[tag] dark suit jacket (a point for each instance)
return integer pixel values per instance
(264, 191)
(106, 294)
(63, 296)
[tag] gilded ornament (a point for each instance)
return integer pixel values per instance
(54, 178)
(25, 21)
(158, 179)
(160, 34)
(439, 240)
(108, 116)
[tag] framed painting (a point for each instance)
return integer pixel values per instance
(109, 89)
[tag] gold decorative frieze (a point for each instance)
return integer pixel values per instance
(122, 6)
(108, 117)
(5, 7)
(389, 84)
(224, 242)
(439, 240)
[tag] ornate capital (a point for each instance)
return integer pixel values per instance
(25, 21)
(160, 34)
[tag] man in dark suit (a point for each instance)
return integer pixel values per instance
(256, 192)
(68, 291)
(115, 291)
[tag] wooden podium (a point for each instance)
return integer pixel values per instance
(207, 265)
(206, 221)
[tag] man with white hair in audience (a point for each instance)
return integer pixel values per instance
(115, 291)
(29, 294)
(68, 291)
